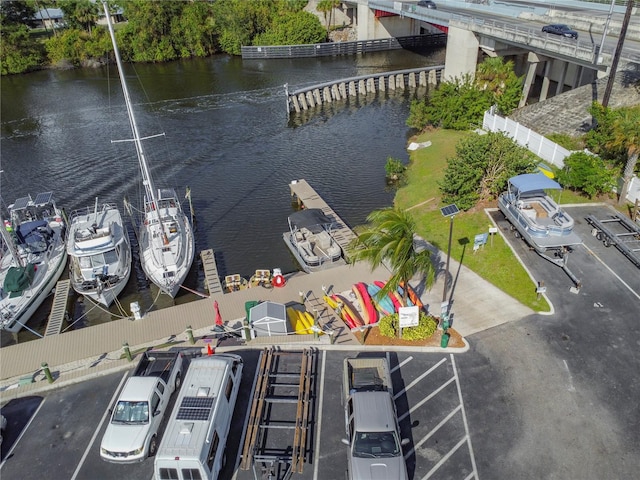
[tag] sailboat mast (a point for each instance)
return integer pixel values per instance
(146, 175)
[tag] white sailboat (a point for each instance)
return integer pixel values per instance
(99, 252)
(33, 258)
(165, 233)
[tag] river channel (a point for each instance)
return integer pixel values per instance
(227, 137)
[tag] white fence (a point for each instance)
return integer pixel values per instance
(546, 149)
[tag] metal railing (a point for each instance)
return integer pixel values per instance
(345, 48)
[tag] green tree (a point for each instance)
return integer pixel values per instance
(458, 105)
(388, 238)
(626, 135)
(587, 173)
(481, 168)
(294, 28)
(499, 78)
(194, 28)
(81, 14)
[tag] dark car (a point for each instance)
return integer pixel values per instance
(560, 29)
(427, 3)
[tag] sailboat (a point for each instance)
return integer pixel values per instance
(164, 231)
(99, 252)
(33, 258)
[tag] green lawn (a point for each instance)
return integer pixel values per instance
(495, 261)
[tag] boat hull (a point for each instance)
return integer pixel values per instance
(99, 253)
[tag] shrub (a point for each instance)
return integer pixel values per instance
(394, 168)
(587, 173)
(426, 327)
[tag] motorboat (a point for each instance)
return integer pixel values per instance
(311, 241)
(164, 231)
(535, 215)
(33, 258)
(99, 252)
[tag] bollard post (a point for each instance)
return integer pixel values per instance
(332, 337)
(47, 372)
(127, 351)
(190, 335)
(316, 335)
(444, 341)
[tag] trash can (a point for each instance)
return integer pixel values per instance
(444, 341)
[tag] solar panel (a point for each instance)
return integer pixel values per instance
(21, 203)
(449, 210)
(43, 198)
(195, 408)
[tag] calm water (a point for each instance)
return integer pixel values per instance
(227, 137)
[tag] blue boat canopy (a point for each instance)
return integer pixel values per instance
(530, 182)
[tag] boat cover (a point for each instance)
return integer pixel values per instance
(530, 182)
(18, 279)
(311, 218)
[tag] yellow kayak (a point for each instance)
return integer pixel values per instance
(296, 321)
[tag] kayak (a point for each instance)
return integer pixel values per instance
(296, 321)
(350, 310)
(395, 299)
(332, 301)
(384, 304)
(369, 312)
(413, 296)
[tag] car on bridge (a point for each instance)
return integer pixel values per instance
(560, 29)
(427, 3)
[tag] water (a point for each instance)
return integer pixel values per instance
(227, 138)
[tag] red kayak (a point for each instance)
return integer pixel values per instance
(370, 313)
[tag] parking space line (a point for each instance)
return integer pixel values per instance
(464, 418)
(444, 459)
(95, 434)
(427, 398)
(404, 362)
(612, 272)
(10, 452)
(433, 431)
(417, 380)
(316, 453)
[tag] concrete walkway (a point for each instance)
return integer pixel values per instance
(77, 355)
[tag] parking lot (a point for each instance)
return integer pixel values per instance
(67, 427)
(547, 396)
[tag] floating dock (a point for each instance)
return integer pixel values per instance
(58, 309)
(305, 196)
(211, 277)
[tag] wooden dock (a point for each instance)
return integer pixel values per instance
(59, 308)
(211, 277)
(307, 197)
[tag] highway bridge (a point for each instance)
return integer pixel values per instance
(512, 29)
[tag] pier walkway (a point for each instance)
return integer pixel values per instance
(307, 197)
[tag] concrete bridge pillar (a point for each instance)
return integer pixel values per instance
(352, 89)
(302, 100)
(362, 90)
(462, 53)
(533, 60)
(546, 80)
(381, 85)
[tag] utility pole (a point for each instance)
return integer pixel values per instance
(616, 54)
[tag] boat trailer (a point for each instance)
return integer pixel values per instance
(282, 402)
(619, 231)
(560, 257)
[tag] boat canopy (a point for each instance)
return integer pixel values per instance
(311, 218)
(18, 279)
(530, 182)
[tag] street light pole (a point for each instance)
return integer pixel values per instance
(448, 211)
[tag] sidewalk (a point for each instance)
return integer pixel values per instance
(97, 351)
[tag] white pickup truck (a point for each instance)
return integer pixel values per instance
(132, 432)
(371, 421)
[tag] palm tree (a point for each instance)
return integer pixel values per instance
(388, 239)
(626, 134)
(325, 7)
